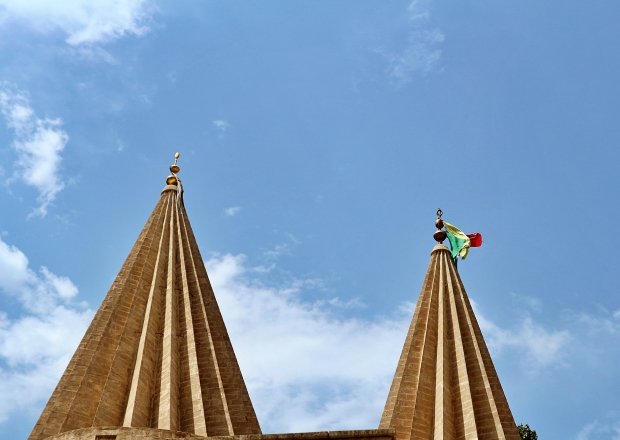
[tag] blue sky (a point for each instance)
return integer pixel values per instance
(317, 141)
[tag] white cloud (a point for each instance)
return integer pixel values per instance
(36, 292)
(36, 344)
(532, 303)
(419, 56)
(38, 143)
(282, 248)
(277, 251)
(609, 430)
(421, 52)
(231, 211)
(324, 370)
(221, 127)
(35, 350)
(63, 286)
(541, 347)
(30, 340)
(82, 21)
(120, 146)
(14, 271)
(602, 322)
(92, 53)
(354, 303)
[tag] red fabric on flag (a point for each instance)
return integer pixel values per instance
(475, 239)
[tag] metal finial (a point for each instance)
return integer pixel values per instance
(174, 169)
(439, 234)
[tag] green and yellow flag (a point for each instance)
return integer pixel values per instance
(461, 242)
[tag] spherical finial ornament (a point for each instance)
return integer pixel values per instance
(172, 179)
(175, 168)
(439, 234)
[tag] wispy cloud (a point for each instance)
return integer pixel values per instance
(603, 321)
(92, 53)
(324, 370)
(277, 251)
(280, 249)
(533, 303)
(36, 343)
(37, 292)
(120, 146)
(598, 429)
(221, 127)
(540, 346)
(231, 211)
(83, 22)
(421, 52)
(38, 143)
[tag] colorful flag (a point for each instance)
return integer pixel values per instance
(461, 242)
(475, 239)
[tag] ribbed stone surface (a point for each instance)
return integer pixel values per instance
(157, 353)
(445, 386)
(157, 434)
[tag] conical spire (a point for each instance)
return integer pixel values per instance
(445, 386)
(157, 353)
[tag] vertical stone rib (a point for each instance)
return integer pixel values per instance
(465, 406)
(440, 384)
(238, 415)
(239, 411)
(112, 404)
(502, 406)
(137, 411)
(459, 392)
(444, 413)
(168, 398)
(484, 401)
(422, 422)
(195, 415)
(217, 418)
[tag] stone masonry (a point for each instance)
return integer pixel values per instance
(445, 386)
(157, 353)
(156, 362)
(157, 434)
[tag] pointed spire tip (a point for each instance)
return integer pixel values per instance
(174, 169)
(439, 234)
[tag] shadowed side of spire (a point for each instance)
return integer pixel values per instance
(445, 386)
(157, 353)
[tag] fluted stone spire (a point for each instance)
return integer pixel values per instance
(445, 386)
(157, 353)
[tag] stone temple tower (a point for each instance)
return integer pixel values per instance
(157, 363)
(445, 386)
(157, 353)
